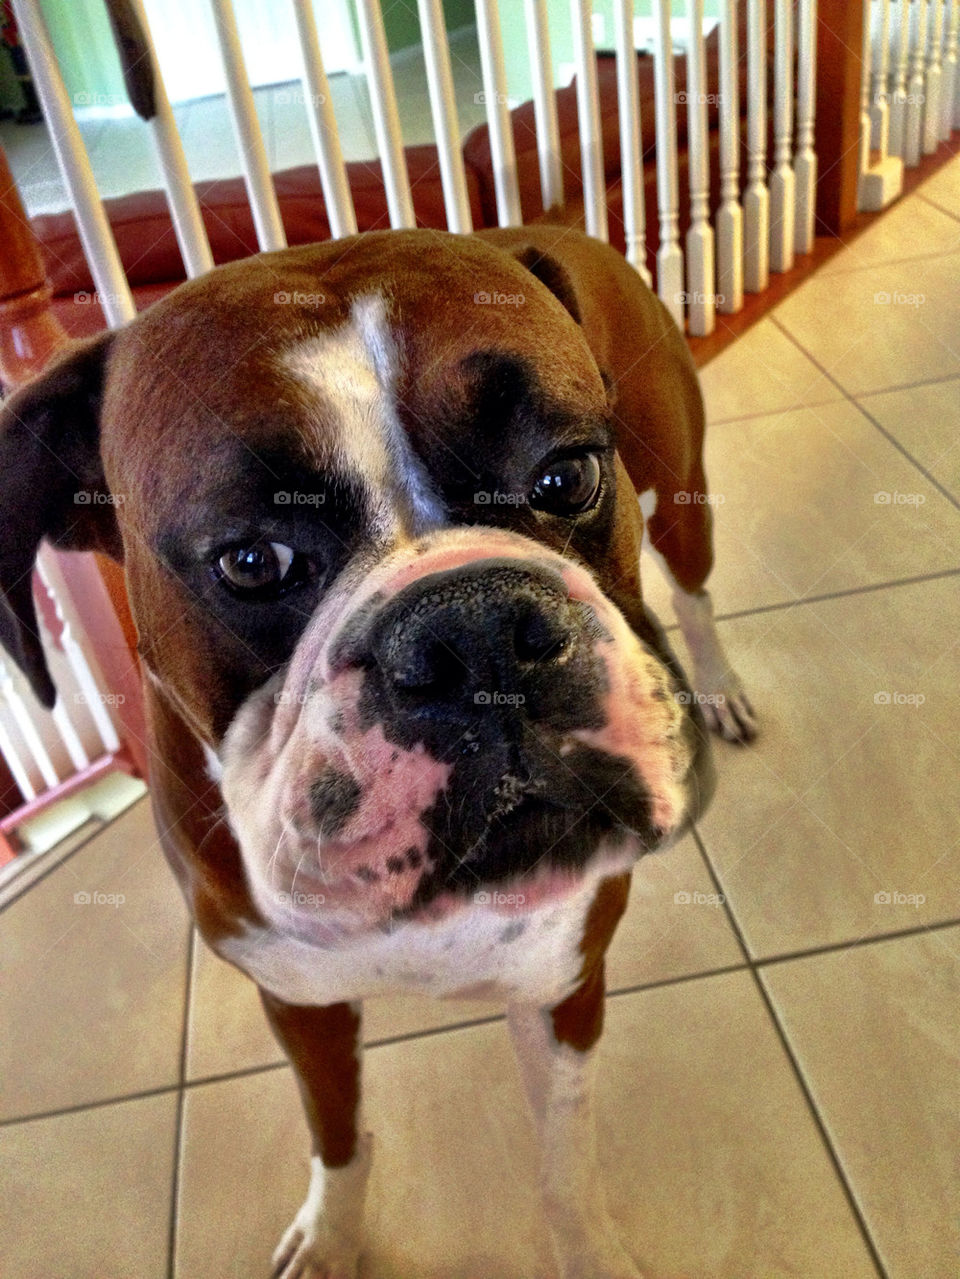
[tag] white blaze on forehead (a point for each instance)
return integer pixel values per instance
(354, 369)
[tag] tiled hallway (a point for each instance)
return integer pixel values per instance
(779, 1086)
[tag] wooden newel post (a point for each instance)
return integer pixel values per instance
(30, 333)
(839, 77)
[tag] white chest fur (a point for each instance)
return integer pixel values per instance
(476, 953)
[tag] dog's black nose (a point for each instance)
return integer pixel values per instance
(494, 634)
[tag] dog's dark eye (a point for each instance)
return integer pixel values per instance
(263, 570)
(568, 486)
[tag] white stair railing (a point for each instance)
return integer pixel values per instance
(701, 301)
(948, 86)
(669, 253)
(730, 249)
(881, 174)
(631, 158)
(782, 180)
(805, 158)
(756, 197)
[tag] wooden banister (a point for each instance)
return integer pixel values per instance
(839, 75)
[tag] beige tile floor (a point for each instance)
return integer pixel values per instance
(779, 1079)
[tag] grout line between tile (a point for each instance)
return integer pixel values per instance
(854, 943)
(941, 208)
(178, 1121)
(892, 439)
(787, 1047)
(835, 595)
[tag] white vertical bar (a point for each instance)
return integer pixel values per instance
(181, 198)
(669, 253)
(756, 197)
(934, 79)
(53, 583)
(436, 53)
(588, 113)
(68, 734)
(498, 114)
(880, 181)
(896, 138)
(730, 213)
(805, 158)
(256, 168)
(782, 183)
(13, 761)
(631, 163)
(948, 87)
(22, 718)
(99, 246)
(913, 129)
(544, 104)
(701, 286)
(386, 118)
(323, 126)
(879, 108)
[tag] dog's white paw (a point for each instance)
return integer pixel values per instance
(310, 1250)
(728, 713)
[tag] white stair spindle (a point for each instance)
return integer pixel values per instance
(588, 113)
(502, 151)
(948, 85)
(669, 253)
(544, 104)
(386, 117)
(756, 196)
(701, 284)
(631, 165)
(68, 735)
(181, 197)
(730, 212)
(934, 81)
(782, 182)
(896, 138)
(53, 583)
(805, 159)
(913, 129)
(243, 113)
(323, 126)
(11, 757)
(99, 246)
(443, 106)
(880, 67)
(881, 180)
(23, 718)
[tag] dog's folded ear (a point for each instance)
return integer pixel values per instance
(549, 272)
(51, 486)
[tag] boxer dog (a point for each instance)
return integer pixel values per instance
(411, 724)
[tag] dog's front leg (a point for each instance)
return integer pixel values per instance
(556, 1049)
(324, 1048)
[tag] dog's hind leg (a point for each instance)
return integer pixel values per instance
(678, 532)
(324, 1048)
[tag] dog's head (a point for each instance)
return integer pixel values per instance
(383, 558)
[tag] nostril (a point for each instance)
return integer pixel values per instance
(431, 668)
(540, 637)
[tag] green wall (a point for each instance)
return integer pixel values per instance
(402, 24)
